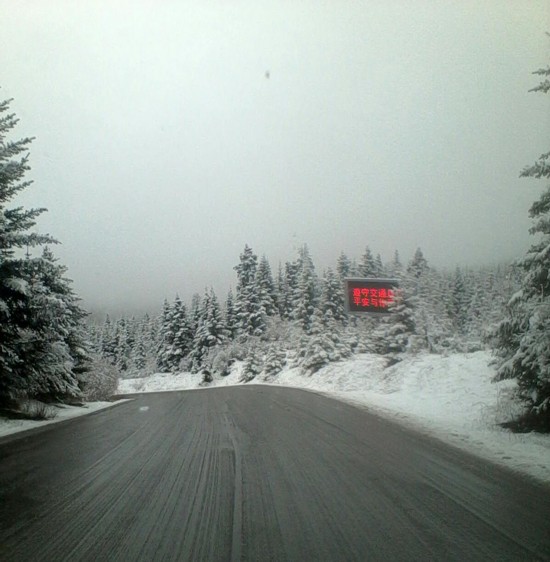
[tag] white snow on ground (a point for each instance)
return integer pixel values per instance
(451, 398)
(7, 427)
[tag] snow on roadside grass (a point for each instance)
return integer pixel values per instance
(63, 412)
(451, 398)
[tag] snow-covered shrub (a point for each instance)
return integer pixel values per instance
(220, 358)
(252, 365)
(35, 410)
(323, 346)
(221, 363)
(101, 382)
(274, 363)
(322, 349)
(206, 377)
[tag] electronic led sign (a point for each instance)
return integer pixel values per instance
(370, 296)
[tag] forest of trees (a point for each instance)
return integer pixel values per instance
(294, 316)
(298, 317)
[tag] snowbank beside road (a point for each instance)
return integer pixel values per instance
(63, 412)
(451, 398)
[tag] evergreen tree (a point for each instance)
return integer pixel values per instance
(139, 356)
(266, 288)
(211, 331)
(418, 265)
(430, 297)
(282, 293)
(108, 341)
(248, 308)
(148, 338)
(122, 350)
(252, 365)
(41, 346)
(275, 361)
(460, 301)
(166, 339)
(57, 355)
(305, 295)
(176, 336)
(183, 332)
(379, 266)
(395, 268)
(368, 266)
(396, 331)
(230, 318)
(195, 312)
(331, 303)
(287, 290)
(72, 329)
(322, 346)
(343, 266)
(522, 341)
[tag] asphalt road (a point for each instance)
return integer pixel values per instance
(257, 473)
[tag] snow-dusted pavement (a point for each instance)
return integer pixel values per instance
(451, 398)
(258, 473)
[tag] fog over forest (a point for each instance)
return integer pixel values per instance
(169, 135)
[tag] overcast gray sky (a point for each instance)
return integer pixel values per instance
(162, 147)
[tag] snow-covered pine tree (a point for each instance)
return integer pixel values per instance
(148, 337)
(230, 318)
(176, 336)
(183, 333)
(253, 364)
(492, 290)
(251, 317)
(322, 346)
(460, 301)
(368, 266)
(354, 270)
(343, 266)
(395, 268)
(266, 287)
(418, 265)
(380, 269)
(275, 361)
(74, 330)
(195, 311)
(522, 341)
(166, 338)
(395, 332)
(305, 294)
(331, 302)
(139, 356)
(30, 363)
(287, 289)
(122, 350)
(211, 331)
(108, 341)
(281, 293)
(57, 356)
(431, 294)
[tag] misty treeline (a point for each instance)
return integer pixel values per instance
(296, 317)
